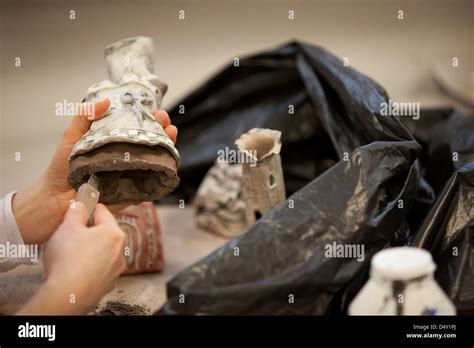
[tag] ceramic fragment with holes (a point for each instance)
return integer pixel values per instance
(262, 174)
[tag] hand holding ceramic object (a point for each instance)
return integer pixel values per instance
(128, 150)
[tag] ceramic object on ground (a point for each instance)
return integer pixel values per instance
(145, 250)
(402, 283)
(219, 206)
(127, 149)
(262, 175)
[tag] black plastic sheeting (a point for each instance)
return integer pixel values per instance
(370, 200)
(448, 230)
(334, 112)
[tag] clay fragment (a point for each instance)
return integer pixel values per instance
(219, 206)
(116, 308)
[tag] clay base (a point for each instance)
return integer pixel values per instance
(127, 172)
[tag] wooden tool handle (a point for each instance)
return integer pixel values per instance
(89, 196)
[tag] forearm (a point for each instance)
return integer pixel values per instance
(54, 299)
(37, 212)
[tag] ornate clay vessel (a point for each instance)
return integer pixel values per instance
(127, 149)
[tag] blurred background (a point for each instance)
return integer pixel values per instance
(62, 57)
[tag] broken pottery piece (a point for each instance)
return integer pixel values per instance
(127, 149)
(219, 206)
(262, 175)
(144, 247)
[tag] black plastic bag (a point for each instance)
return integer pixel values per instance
(334, 106)
(361, 201)
(448, 230)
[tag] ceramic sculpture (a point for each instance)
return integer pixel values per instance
(141, 225)
(402, 283)
(127, 149)
(219, 206)
(233, 196)
(262, 175)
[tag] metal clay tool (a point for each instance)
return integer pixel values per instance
(89, 194)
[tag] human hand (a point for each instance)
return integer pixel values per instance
(80, 263)
(40, 208)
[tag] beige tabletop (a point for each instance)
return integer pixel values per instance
(183, 245)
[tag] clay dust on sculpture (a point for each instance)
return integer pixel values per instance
(127, 149)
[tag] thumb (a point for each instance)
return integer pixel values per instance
(103, 216)
(76, 214)
(81, 123)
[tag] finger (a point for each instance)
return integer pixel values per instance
(93, 110)
(162, 117)
(103, 216)
(76, 214)
(115, 208)
(88, 112)
(172, 132)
